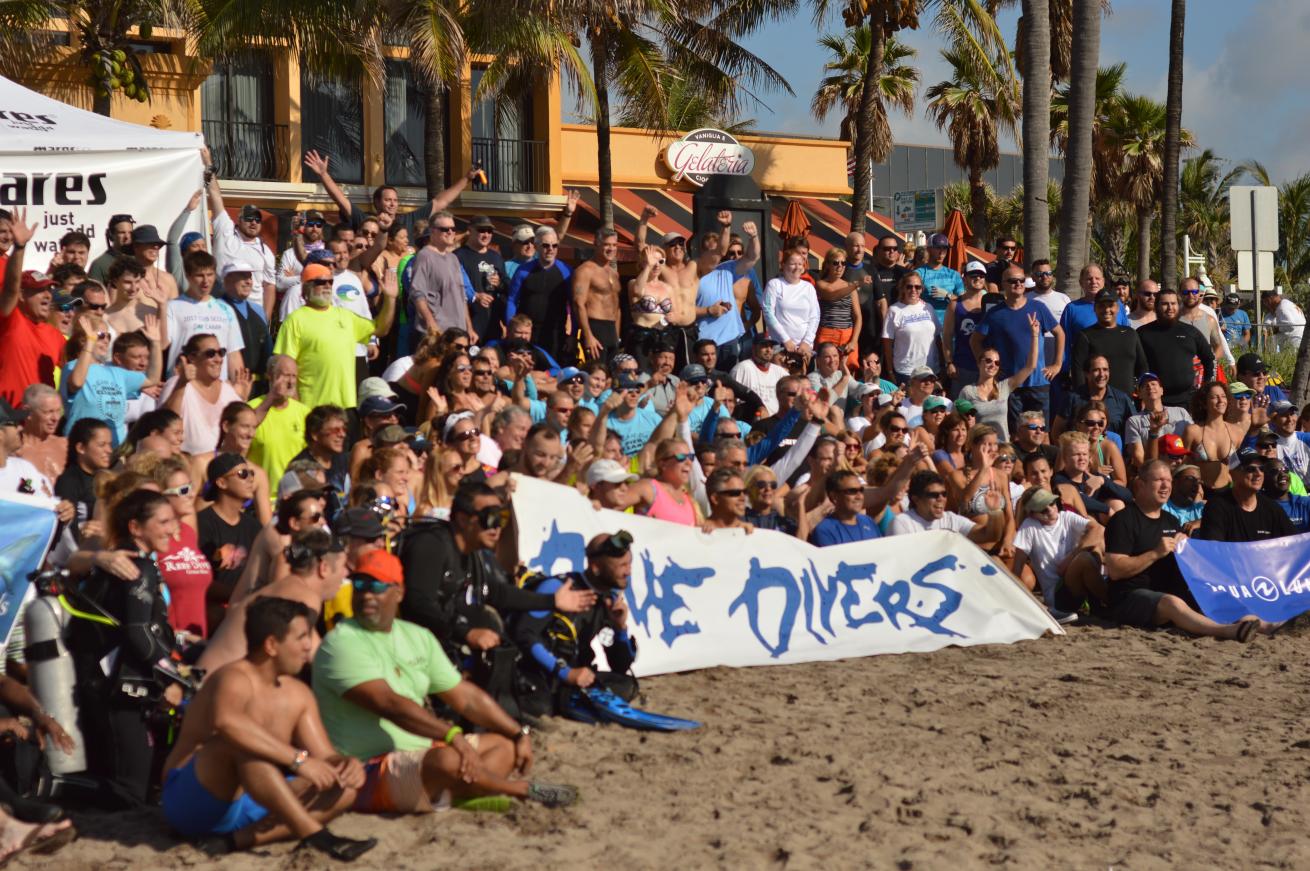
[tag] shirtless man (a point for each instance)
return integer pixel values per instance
(596, 297)
(251, 724)
(297, 511)
(317, 568)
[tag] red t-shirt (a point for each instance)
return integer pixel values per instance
(31, 355)
(187, 575)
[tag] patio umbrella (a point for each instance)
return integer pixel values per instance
(794, 222)
(959, 234)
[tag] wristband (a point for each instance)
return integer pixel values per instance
(455, 732)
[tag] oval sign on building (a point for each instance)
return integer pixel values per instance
(706, 152)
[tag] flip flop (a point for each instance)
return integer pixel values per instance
(1246, 630)
(38, 845)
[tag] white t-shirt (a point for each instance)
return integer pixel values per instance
(913, 330)
(187, 318)
(1048, 546)
(1295, 454)
(791, 311)
(1290, 323)
(1055, 301)
(763, 384)
(909, 521)
(19, 476)
(229, 245)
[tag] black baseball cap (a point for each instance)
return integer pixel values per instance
(1106, 295)
(482, 222)
(10, 416)
(359, 522)
(1251, 363)
(249, 211)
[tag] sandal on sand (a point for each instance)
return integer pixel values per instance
(38, 845)
(1246, 630)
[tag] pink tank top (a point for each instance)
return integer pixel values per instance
(665, 507)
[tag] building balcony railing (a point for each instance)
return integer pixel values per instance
(512, 166)
(249, 151)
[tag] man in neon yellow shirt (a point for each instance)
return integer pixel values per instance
(279, 421)
(322, 338)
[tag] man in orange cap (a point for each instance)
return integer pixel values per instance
(372, 675)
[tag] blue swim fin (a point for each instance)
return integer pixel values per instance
(577, 709)
(611, 708)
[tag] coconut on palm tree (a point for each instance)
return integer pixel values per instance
(973, 107)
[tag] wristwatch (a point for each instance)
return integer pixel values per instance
(523, 732)
(301, 756)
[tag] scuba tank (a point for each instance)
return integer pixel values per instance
(50, 668)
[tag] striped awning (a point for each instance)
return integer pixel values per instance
(830, 221)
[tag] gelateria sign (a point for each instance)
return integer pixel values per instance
(706, 152)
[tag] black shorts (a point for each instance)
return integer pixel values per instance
(1135, 606)
(607, 333)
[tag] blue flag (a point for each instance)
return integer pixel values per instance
(29, 526)
(1270, 579)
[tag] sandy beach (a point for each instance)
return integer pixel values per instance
(1106, 748)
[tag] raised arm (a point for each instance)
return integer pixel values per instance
(387, 312)
(317, 163)
(643, 223)
(175, 233)
(23, 234)
(211, 184)
(752, 254)
(565, 218)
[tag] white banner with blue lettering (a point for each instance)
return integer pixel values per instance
(700, 600)
(1270, 579)
(29, 527)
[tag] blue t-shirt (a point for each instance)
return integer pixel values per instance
(104, 395)
(830, 531)
(1237, 327)
(1078, 316)
(715, 287)
(1298, 511)
(944, 278)
(1185, 513)
(636, 430)
(965, 323)
(1008, 331)
(701, 410)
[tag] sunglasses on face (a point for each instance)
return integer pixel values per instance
(68, 307)
(732, 254)
(1191, 293)
(1252, 470)
(467, 434)
(1091, 421)
(729, 435)
(935, 494)
(914, 287)
(313, 518)
(96, 306)
(321, 282)
(478, 373)
(731, 493)
(440, 229)
(492, 517)
(1044, 274)
(1035, 427)
(182, 490)
(368, 585)
(211, 353)
(245, 473)
(549, 246)
(313, 223)
(1009, 248)
(677, 458)
(1015, 280)
(898, 430)
(849, 491)
(253, 219)
(766, 485)
(463, 367)
(1006, 458)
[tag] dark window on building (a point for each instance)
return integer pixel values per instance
(332, 123)
(404, 113)
(236, 111)
(502, 143)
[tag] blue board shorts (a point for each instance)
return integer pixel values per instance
(193, 811)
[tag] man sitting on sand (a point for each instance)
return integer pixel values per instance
(251, 725)
(1146, 587)
(372, 676)
(318, 568)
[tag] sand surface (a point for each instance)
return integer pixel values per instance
(1107, 748)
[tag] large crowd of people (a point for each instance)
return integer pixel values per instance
(292, 471)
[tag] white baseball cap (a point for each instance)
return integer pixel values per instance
(374, 386)
(608, 472)
(975, 266)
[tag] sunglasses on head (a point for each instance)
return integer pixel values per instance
(616, 544)
(369, 585)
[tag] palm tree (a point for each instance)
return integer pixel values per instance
(1172, 144)
(438, 49)
(972, 108)
(1136, 134)
(1077, 191)
(636, 48)
(327, 36)
(688, 109)
(1034, 42)
(1204, 185)
(843, 84)
(1107, 102)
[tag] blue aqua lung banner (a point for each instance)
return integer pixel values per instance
(29, 526)
(1270, 579)
(699, 600)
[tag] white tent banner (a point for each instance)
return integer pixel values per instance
(72, 169)
(700, 600)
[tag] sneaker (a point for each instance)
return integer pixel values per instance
(1065, 618)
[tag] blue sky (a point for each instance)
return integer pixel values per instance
(1244, 80)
